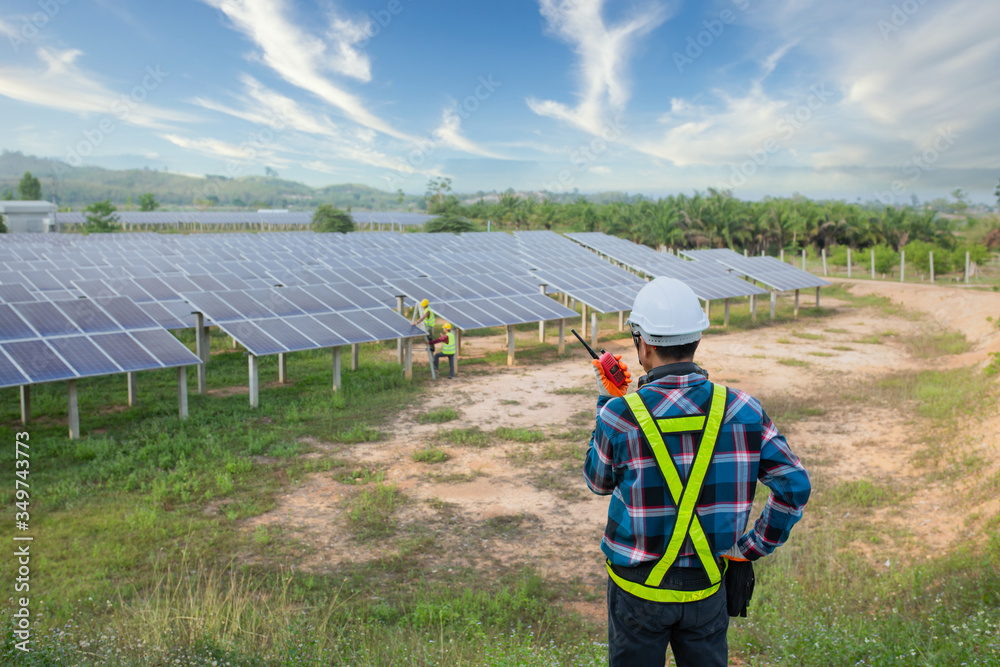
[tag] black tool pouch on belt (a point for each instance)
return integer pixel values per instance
(739, 582)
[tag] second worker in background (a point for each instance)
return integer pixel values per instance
(449, 350)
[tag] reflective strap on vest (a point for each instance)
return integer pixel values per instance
(430, 319)
(685, 497)
(449, 347)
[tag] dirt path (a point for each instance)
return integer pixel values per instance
(511, 504)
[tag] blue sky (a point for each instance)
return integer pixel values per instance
(854, 99)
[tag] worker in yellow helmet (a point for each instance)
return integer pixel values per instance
(449, 350)
(427, 317)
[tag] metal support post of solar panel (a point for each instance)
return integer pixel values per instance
(291, 319)
(42, 341)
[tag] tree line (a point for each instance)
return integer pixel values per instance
(716, 219)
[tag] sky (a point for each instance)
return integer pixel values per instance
(857, 99)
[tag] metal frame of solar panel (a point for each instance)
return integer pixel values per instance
(708, 280)
(770, 271)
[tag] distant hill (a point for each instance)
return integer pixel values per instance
(77, 187)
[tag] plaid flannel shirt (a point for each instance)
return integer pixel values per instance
(641, 513)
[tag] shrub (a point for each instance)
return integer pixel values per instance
(885, 258)
(327, 218)
(449, 223)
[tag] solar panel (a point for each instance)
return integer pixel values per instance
(9, 375)
(254, 339)
(45, 318)
(167, 349)
(348, 331)
(38, 361)
(87, 316)
(283, 332)
(302, 300)
(85, 358)
(367, 322)
(125, 352)
(166, 319)
(316, 331)
(126, 313)
(12, 326)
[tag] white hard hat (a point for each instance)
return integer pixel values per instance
(666, 312)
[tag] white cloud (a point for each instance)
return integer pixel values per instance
(302, 58)
(450, 134)
(245, 152)
(62, 84)
(603, 53)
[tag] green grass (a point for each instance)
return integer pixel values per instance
(439, 416)
(784, 340)
(837, 331)
(860, 493)
(431, 455)
(793, 362)
(842, 348)
(821, 354)
(937, 395)
(937, 343)
(520, 434)
(573, 391)
(466, 437)
(371, 513)
(787, 408)
(808, 336)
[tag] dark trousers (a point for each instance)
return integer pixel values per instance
(451, 362)
(639, 630)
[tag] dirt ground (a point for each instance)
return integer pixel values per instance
(512, 503)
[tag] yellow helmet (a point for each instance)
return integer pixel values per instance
(446, 326)
(425, 303)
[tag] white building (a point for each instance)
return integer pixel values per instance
(28, 216)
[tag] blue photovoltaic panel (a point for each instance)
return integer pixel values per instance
(83, 356)
(231, 282)
(285, 334)
(126, 313)
(345, 329)
(316, 331)
(158, 289)
(210, 305)
(46, 319)
(303, 301)
(329, 297)
(42, 280)
(249, 308)
(9, 375)
(399, 325)
(459, 317)
(96, 289)
(87, 316)
(12, 327)
(207, 283)
(180, 284)
(125, 352)
(38, 360)
(375, 328)
(522, 314)
(166, 348)
(254, 339)
(15, 293)
(275, 302)
(164, 317)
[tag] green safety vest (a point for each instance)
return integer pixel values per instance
(449, 347)
(430, 319)
(685, 496)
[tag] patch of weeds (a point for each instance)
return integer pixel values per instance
(553, 451)
(859, 493)
(357, 433)
(937, 344)
(372, 512)
(784, 341)
(456, 477)
(582, 418)
(758, 356)
(442, 506)
(438, 416)
(573, 391)
(993, 367)
(578, 434)
(558, 483)
(837, 331)
(808, 336)
(793, 362)
(520, 434)
(938, 395)
(466, 437)
(842, 348)
(506, 525)
(785, 408)
(509, 402)
(359, 476)
(821, 354)
(431, 455)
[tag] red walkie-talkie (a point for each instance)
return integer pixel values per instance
(607, 361)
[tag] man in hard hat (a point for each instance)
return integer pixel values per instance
(681, 458)
(449, 350)
(427, 317)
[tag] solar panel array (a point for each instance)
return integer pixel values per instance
(252, 219)
(708, 280)
(566, 267)
(42, 341)
(770, 271)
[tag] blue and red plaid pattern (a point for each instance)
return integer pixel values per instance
(641, 513)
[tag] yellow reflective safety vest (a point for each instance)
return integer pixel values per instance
(430, 320)
(449, 347)
(685, 497)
